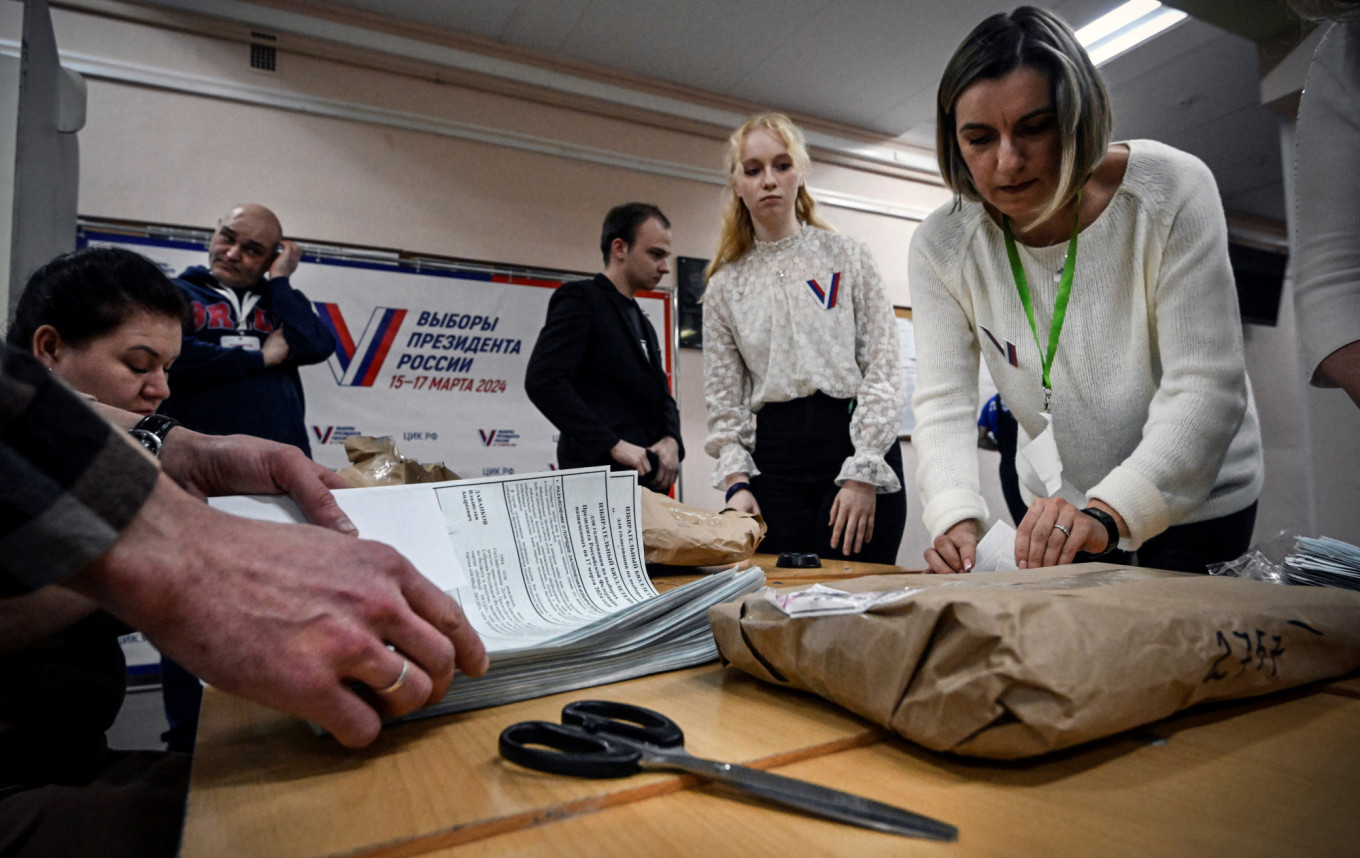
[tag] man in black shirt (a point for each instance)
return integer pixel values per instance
(596, 371)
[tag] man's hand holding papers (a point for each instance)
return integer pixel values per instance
(549, 571)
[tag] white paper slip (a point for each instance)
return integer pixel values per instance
(996, 551)
(407, 518)
(1038, 464)
(822, 601)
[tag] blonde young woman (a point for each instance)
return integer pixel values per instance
(1094, 280)
(802, 372)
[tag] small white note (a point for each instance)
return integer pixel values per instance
(1038, 464)
(407, 518)
(996, 551)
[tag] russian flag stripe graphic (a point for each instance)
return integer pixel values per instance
(377, 353)
(330, 314)
(827, 298)
(358, 364)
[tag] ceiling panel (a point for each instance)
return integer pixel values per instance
(874, 65)
(1182, 45)
(482, 17)
(544, 25)
(707, 44)
(1217, 80)
(847, 67)
(1243, 151)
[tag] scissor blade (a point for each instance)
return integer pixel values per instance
(820, 800)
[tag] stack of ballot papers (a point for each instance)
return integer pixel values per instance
(548, 569)
(1324, 562)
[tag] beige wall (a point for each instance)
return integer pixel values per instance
(366, 156)
(151, 153)
(158, 154)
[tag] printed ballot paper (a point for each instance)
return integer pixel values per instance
(548, 569)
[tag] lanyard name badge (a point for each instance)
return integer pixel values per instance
(1038, 464)
(242, 339)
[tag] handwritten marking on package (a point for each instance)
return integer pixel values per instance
(1257, 652)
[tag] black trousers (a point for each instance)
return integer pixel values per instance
(182, 694)
(133, 807)
(1182, 548)
(62, 791)
(1007, 437)
(800, 447)
(1193, 547)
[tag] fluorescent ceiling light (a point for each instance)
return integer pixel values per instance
(1125, 27)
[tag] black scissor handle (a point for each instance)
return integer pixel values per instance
(634, 723)
(567, 750)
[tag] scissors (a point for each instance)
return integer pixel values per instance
(604, 739)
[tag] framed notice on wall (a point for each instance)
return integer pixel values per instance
(689, 278)
(906, 339)
(432, 351)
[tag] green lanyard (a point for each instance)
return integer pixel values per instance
(1059, 305)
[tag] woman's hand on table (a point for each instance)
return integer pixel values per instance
(1053, 531)
(852, 516)
(742, 500)
(955, 550)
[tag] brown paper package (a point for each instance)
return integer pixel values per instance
(680, 535)
(376, 462)
(1014, 664)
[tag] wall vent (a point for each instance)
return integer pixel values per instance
(262, 56)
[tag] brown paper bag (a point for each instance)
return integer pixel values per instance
(680, 535)
(1013, 664)
(376, 462)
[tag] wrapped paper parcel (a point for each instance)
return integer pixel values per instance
(1013, 664)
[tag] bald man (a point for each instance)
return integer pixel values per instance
(248, 333)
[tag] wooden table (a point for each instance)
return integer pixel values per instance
(1278, 776)
(669, 577)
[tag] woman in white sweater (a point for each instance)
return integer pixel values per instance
(1137, 426)
(802, 371)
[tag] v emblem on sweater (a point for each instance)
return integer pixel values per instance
(1007, 351)
(826, 298)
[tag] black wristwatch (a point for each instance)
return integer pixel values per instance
(1111, 529)
(151, 430)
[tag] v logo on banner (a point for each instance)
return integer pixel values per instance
(357, 364)
(826, 297)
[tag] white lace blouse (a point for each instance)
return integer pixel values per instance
(792, 317)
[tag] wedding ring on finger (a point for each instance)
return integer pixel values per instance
(401, 678)
(1065, 531)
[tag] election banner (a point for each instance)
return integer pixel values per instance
(431, 352)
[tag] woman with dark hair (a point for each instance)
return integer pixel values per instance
(107, 322)
(802, 371)
(1094, 280)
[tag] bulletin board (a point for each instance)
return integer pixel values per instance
(432, 350)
